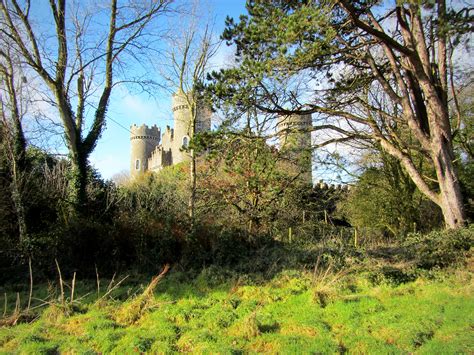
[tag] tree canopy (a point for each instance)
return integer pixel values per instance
(367, 70)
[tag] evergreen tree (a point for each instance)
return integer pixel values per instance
(369, 71)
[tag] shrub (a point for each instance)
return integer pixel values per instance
(439, 248)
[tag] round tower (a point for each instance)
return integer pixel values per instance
(203, 123)
(294, 132)
(143, 140)
(182, 116)
(182, 127)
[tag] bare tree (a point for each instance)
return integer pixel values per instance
(189, 63)
(121, 178)
(79, 65)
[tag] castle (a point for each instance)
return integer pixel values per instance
(151, 150)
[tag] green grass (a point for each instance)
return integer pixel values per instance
(292, 313)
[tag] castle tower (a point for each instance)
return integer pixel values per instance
(182, 125)
(181, 114)
(143, 140)
(294, 132)
(203, 123)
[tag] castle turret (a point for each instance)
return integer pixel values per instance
(203, 122)
(181, 115)
(294, 133)
(143, 140)
(183, 125)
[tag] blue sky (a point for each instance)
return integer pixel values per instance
(112, 154)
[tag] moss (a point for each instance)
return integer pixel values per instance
(246, 328)
(136, 340)
(38, 346)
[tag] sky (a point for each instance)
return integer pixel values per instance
(112, 154)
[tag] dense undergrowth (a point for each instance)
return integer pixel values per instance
(356, 300)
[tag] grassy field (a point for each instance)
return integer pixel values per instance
(292, 312)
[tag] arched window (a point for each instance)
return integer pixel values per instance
(137, 164)
(185, 141)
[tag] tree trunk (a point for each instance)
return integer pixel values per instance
(17, 198)
(192, 165)
(442, 155)
(192, 197)
(16, 148)
(451, 205)
(450, 197)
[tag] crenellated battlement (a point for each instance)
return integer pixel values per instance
(179, 101)
(143, 140)
(145, 132)
(321, 185)
(293, 122)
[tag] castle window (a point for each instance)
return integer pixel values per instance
(137, 164)
(185, 141)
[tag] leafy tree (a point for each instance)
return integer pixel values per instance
(370, 71)
(247, 179)
(385, 200)
(248, 183)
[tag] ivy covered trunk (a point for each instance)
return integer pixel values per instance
(18, 183)
(78, 183)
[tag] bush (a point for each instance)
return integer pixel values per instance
(385, 202)
(439, 248)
